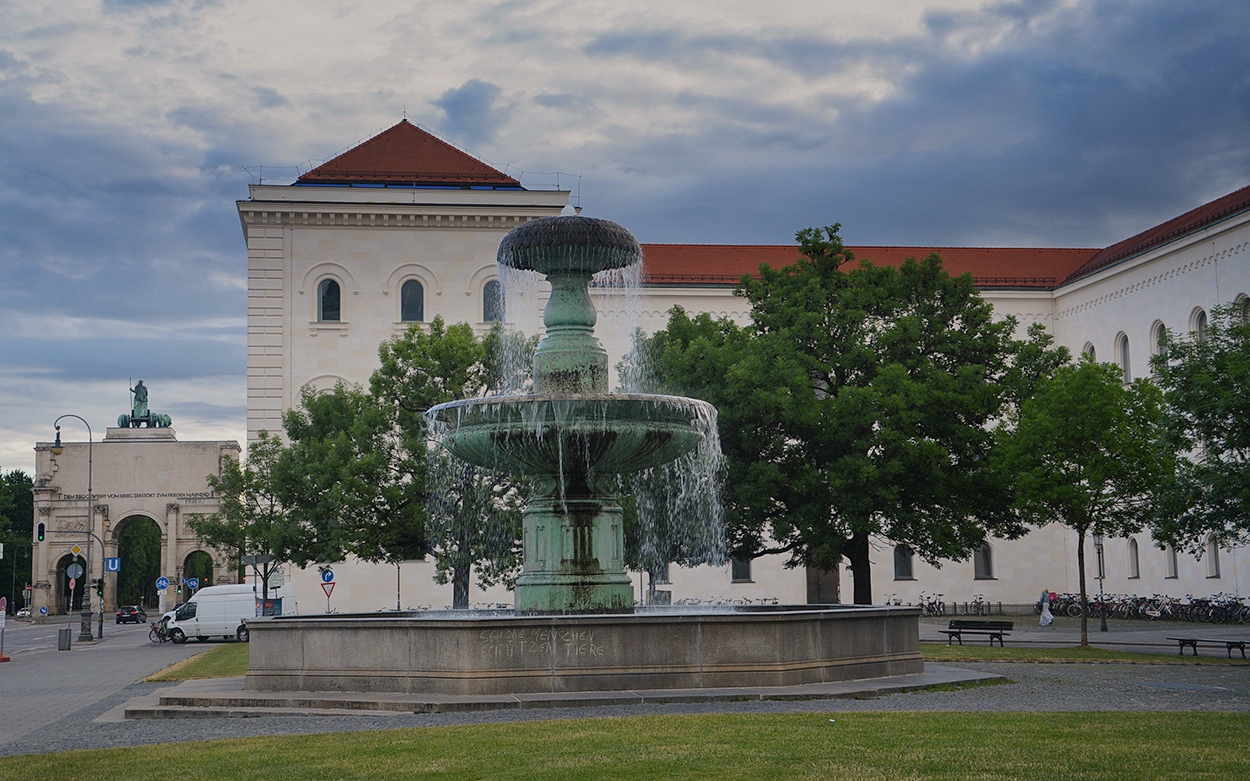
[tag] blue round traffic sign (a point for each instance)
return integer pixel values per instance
(194, 583)
(162, 582)
(327, 576)
(43, 611)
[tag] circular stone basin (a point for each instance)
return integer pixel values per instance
(551, 434)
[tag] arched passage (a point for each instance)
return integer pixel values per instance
(63, 575)
(199, 565)
(139, 548)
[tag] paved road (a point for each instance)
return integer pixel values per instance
(44, 691)
(67, 700)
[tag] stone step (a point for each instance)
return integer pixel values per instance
(163, 711)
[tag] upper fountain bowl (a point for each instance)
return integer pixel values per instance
(569, 245)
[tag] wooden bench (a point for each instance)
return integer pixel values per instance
(960, 627)
(1192, 642)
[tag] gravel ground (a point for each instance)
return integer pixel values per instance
(1034, 687)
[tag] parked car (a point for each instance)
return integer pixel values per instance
(23, 612)
(134, 613)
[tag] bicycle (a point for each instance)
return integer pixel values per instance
(157, 633)
(979, 606)
(932, 605)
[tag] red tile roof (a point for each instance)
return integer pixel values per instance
(406, 154)
(991, 267)
(1176, 227)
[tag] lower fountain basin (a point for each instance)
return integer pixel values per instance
(551, 434)
(509, 654)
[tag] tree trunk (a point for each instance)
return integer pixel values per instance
(857, 554)
(460, 587)
(1080, 566)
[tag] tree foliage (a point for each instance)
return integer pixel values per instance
(17, 514)
(1086, 452)
(857, 404)
(357, 476)
(1206, 382)
(250, 520)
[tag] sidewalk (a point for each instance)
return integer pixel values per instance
(1141, 636)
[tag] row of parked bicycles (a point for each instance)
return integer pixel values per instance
(1219, 609)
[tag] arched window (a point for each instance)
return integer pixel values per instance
(1198, 324)
(412, 302)
(1088, 352)
(1213, 557)
(1134, 567)
(329, 299)
(492, 302)
(1121, 356)
(902, 563)
(1169, 561)
(1158, 333)
(983, 563)
(1241, 307)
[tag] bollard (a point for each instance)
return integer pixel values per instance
(62, 639)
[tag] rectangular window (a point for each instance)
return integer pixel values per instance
(740, 570)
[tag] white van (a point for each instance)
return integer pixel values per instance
(216, 611)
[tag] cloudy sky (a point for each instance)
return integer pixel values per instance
(128, 129)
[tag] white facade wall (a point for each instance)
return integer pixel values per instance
(372, 240)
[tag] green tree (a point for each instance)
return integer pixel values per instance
(17, 513)
(251, 520)
(360, 476)
(1206, 384)
(857, 404)
(1086, 452)
(343, 477)
(473, 516)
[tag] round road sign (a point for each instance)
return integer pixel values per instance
(327, 576)
(193, 583)
(74, 571)
(162, 583)
(43, 611)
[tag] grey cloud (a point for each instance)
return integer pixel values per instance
(267, 97)
(473, 111)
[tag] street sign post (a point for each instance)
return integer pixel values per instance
(4, 609)
(328, 588)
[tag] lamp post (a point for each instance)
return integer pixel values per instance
(1102, 605)
(57, 449)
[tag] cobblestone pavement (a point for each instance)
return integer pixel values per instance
(33, 722)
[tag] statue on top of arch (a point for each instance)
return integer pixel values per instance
(140, 415)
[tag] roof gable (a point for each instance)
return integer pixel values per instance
(404, 154)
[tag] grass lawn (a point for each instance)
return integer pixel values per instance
(852, 745)
(223, 661)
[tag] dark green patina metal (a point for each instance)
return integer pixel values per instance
(571, 435)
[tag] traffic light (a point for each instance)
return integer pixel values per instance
(179, 588)
(42, 529)
(99, 587)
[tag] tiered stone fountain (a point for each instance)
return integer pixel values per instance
(574, 628)
(570, 434)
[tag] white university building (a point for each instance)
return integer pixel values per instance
(404, 228)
